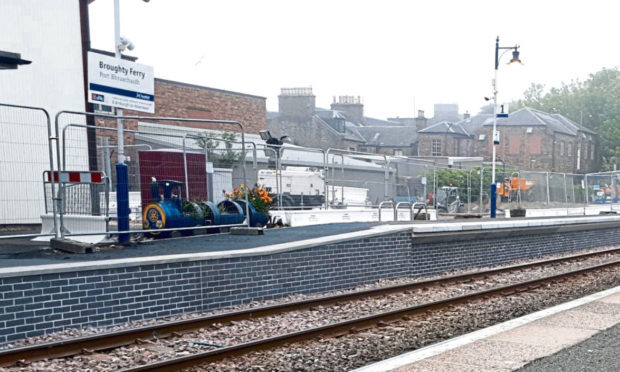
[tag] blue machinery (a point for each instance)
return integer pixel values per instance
(168, 211)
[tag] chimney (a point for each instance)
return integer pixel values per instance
(296, 103)
(466, 115)
(420, 122)
(352, 107)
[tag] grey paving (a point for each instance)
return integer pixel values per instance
(600, 353)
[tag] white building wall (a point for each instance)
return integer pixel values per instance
(48, 34)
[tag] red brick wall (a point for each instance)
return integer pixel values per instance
(180, 100)
(191, 101)
(450, 145)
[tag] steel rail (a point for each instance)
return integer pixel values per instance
(115, 339)
(176, 364)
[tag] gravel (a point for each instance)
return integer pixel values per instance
(344, 352)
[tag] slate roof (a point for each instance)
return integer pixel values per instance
(389, 136)
(473, 123)
(336, 119)
(527, 116)
(573, 125)
(373, 122)
(444, 127)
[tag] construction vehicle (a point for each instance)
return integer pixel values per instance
(514, 189)
(448, 200)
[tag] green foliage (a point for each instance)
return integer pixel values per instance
(595, 103)
(220, 148)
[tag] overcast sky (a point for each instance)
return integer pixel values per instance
(394, 54)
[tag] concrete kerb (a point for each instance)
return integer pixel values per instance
(165, 259)
(442, 231)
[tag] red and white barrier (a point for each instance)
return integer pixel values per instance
(75, 177)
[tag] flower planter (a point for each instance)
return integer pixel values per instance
(257, 219)
(230, 213)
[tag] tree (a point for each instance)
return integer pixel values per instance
(221, 156)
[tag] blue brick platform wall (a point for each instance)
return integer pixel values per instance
(435, 257)
(36, 304)
(33, 305)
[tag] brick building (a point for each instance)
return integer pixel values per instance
(309, 126)
(444, 139)
(530, 139)
(343, 126)
(182, 100)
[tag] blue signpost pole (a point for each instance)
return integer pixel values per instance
(493, 199)
(122, 171)
(122, 201)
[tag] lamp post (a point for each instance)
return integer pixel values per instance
(515, 58)
(122, 171)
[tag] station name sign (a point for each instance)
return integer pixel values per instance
(120, 83)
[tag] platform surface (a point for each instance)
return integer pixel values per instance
(25, 253)
(19, 252)
(581, 335)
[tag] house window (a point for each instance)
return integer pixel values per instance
(561, 148)
(529, 130)
(592, 151)
(436, 148)
(351, 148)
(569, 149)
(398, 152)
(482, 137)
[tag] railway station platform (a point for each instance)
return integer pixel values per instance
(47, 291)
(580, 335)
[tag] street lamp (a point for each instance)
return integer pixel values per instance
(515, 59)
(122, 171)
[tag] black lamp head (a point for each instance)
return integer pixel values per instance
(515, 56)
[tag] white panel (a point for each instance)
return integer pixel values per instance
(48, 34)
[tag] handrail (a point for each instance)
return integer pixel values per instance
(381, 206)
(420, 206)
(396, 210)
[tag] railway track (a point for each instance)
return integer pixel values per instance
(120, 338)
(175, 364)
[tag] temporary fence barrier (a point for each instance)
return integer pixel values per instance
(377, 177)
(67, 119)
(26, 137)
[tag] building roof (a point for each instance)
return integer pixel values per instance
(444, 127)
(373, 122)
(527, 116)
(571, 124)
(472, 124)
(339, 121)
(389, 136)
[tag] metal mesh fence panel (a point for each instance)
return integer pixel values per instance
(602, 188)
(24, 155)
(534, 195)
(558, 190)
